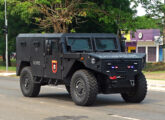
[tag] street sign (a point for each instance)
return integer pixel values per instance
(5, 30)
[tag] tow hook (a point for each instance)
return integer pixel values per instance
(132, 82)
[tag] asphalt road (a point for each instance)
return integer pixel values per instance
(54, 103)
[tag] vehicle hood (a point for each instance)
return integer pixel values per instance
(118, 55)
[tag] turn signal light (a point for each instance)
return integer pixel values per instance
(82, 58)
(113, 77)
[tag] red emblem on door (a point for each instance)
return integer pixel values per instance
(54, 66)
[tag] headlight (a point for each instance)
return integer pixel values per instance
(93, 60)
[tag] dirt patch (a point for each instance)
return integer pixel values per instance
(155, 75)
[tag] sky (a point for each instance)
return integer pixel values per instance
(141, 11)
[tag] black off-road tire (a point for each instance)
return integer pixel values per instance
(90, 91)
(140, 91)
(28, 87)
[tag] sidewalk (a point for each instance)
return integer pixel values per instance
(7, 74)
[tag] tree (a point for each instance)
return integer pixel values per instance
(65, 15)
(144, 22)
(16, 26)
(108, 16)
(54, 15)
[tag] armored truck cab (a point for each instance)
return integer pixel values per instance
(87, 64)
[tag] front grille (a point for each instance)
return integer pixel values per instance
(122, 65)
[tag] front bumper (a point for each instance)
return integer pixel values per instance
(118, 85)
(124, 75)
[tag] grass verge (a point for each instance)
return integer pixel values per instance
(12, 69)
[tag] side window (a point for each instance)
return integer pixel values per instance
(48, 48)
(51, 46)
(55, 46)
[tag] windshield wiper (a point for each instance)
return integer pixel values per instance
(108, 50)
(80, 50)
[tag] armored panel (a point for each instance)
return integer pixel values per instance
(37, 55)
(23, 47)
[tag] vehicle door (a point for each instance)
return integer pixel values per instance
(52, 59)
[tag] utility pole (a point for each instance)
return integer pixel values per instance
(6, 35)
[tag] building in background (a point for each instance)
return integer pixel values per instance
(147, 41)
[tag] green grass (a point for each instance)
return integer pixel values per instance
(11, 68)
(3, 68)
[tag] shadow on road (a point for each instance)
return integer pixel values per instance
(102, 100)
(59, 96)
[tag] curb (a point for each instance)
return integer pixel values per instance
(7, 74)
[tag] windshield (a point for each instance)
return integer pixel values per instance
(106, 44)
(80, 44)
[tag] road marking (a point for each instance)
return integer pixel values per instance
(127, 118)
(41, 102)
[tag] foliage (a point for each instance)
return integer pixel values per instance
(67, 15)
(144, 22)
(112, 15)
(16, 25)
(50, 15)
(28, 16)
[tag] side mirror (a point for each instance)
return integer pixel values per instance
(48, 47)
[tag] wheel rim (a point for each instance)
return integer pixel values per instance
(80, 87)
(26, 82)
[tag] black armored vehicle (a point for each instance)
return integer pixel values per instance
(87, 64)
